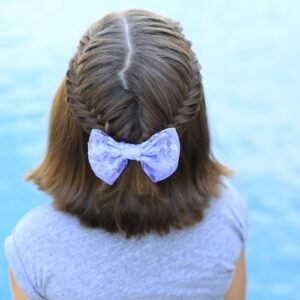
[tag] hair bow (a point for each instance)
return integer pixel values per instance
(159, 155)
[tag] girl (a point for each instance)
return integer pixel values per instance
(141, 208)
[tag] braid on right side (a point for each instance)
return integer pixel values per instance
(191, 106)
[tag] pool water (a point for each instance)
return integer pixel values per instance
(249, 52)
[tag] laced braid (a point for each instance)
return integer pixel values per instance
(86, 117)
(191, 106)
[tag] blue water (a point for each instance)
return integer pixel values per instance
(249, 51)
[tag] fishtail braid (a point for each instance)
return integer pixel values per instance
(191, 106)
(85, 116)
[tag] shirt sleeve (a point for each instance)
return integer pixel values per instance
(17, 252)
(240, 213)
(244, 218)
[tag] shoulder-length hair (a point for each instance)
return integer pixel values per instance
(133, 74)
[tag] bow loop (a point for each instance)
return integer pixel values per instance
(159, 155)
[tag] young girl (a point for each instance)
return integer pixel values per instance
(141, 208)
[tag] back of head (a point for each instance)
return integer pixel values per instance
(132, 75)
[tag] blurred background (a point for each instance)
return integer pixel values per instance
(249, 52)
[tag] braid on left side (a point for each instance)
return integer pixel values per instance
(86, 117)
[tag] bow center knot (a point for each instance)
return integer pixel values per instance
(132, 151)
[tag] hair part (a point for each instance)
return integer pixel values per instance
(132, 75)
(128, 55)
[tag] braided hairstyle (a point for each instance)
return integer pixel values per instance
(132, 75)
(152, 70)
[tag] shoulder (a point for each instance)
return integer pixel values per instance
(39, 228)
(233, 199)
(232, 209)
(40, 222)
(43, 213)
(29, 241)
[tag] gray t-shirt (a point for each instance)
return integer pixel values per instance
(54, 257)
